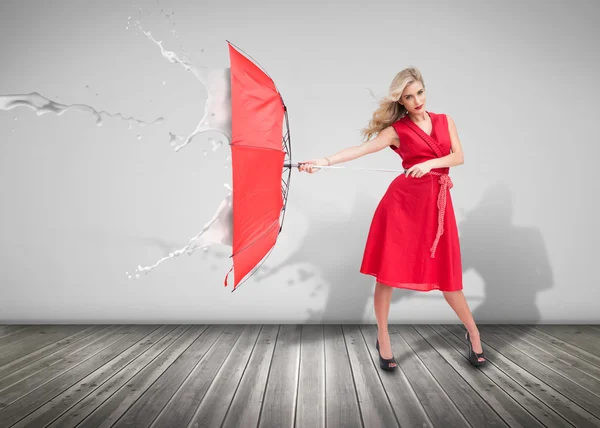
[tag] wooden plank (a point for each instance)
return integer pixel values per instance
(99, 392)
(152, 401)
(9, 330)
(35, 342)
(341, 402)
(12, 339)
(60, 403)
(508, 408)
(569, 410)
(550, 360)
(244, 410)
(216, 401)
(583, 329)
(31, 401)
(407, 407)
(183, 404)
(47, 353)
(558, 368)
(544, 413)
(22, 382)
(568, 335)
(579, 367)
(439, 407)
(375, 406)
(561, 385)
(310, 410)
(561, 344)
(475, 410)
(112, 408)
(279, 403)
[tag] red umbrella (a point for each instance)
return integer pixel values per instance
(259, 149)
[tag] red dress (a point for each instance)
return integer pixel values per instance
(413, 238)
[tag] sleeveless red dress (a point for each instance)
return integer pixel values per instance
(413, 238)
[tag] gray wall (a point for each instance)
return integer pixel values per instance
(84, 204)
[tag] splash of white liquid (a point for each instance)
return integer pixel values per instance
(217, 118)
(42, 105)
(373, 94)
(219, 230)
(168, 16)
(217, 110)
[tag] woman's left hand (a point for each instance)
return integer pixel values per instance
(418, 170)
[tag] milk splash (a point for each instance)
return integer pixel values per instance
(216, 118)
(42, 105)
(218, 230)
(217, 110)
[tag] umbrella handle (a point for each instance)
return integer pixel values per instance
(297, 165)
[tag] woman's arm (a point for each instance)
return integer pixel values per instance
(456, 157)
(384, 139)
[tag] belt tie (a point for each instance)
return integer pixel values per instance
(445, 184)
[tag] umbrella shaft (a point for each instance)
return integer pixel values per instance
(295, 165)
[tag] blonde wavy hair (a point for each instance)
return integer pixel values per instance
(390, 110)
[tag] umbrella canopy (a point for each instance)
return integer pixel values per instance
(257, 156)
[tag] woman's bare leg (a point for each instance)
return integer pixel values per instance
(458, 302)
(382, 300)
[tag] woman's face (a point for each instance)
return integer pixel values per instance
(413, 97)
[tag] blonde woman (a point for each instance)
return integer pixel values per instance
(413, 238)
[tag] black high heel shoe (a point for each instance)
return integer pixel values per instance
(473, 356)
(385, 363)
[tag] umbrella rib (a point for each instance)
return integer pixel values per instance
(254, 61)
(255, 270)
(258, 238)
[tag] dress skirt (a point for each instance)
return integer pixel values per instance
(398, 250)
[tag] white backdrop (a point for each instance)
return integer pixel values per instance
(83, 204)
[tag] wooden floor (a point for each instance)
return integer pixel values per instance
(296, 375)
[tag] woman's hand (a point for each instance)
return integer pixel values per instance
(308, 165)
(418, 170)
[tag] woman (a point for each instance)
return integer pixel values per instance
(413, 239)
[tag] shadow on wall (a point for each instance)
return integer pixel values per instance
(334, 245)
(512, 260)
